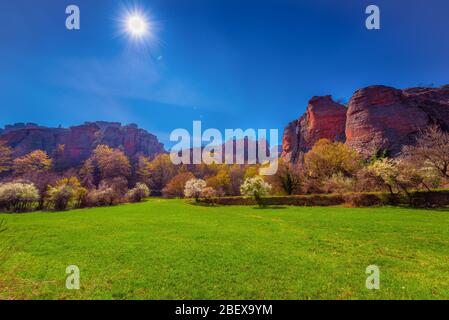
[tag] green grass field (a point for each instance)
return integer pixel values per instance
(169, 249)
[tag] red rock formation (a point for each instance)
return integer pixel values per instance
(377, 118)
(324, 118)
(384, 118)
(73, 145)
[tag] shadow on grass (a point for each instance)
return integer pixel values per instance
(274, 207)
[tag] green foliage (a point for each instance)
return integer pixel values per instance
(379, 155)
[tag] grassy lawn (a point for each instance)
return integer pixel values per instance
(168, 249)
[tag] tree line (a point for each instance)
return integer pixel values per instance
(109, 177)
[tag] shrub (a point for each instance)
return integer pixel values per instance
(304, 200)
(363, 199)
(339, 183)
(18, 197)
(194, 188)
(66, 192)
(118, 184)
(255, 187)
(139, 193)
(100, 197)
(59, 197)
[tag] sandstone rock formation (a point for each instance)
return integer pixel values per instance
(324, 118)
(384, 118)
(73, 145)
(377, 118)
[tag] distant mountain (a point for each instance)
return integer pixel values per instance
(73, 145)
(376, 118)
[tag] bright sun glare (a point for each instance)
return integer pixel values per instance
(137, 26)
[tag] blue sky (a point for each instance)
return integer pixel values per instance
(230, 63)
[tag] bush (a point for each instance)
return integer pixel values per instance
(423, 199)
(255, 187)
(118, 184)
(59, 197)
(100, 197)
(139, 193)
(194, 188)
(339, 183)
(305, 200)
(363, 200)
(66, 192)
(18, 197)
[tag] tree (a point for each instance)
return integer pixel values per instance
(288, 177)
(194, 188)
(221, 182)
(236, 176)
(257, 188)
(161, 170)
(328, 158)
(105, 164)
(111, 162)
(431, 149)
(141, 170)
(35, 162)
(386, 170)
(35, 168)
(5, 157)
(175, 187)
(87, 174)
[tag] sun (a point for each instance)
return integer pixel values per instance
(137, 26)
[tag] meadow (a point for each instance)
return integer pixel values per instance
(171, 249)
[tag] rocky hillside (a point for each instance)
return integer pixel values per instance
(377, 118)
(71, 146)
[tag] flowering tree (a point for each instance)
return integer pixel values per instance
(194, 188)
(387, 171)
(255, 187)
(140, 192)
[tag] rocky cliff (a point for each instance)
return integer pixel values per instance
(377, 118)
(71, 146)
(324, 118)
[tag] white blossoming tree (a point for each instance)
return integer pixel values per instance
(255, 187)
(194, 188)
